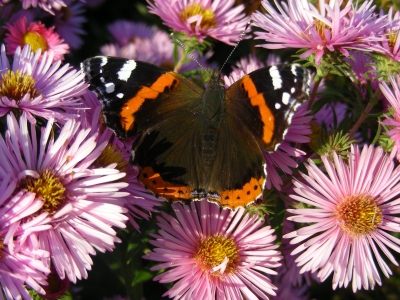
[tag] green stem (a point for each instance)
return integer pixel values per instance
(313, 93)
(180, 62)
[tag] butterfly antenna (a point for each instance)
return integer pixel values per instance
(237, 43)
(192, 57)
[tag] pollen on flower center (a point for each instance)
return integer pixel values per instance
(213, 250)
(359, 214)
(36, 41)
(111, 154)
(49, 188)
(14, 85)
(392, 38)
(320, 27)
(208, 18)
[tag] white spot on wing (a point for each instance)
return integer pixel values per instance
(110, 87)
(285, 98)
(276, 77)
(125, 72)
(104, 61)
(278, 105)
(292, 90)
(120, 95)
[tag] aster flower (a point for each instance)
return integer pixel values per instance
(38, 87)
(393, 96)
(282, 158)
(214, 253)
(68, 22)
(356, 203)
(391, 41)
(46, 5)
(83, 202)
(36, 35)
(299, 24)
(203, 18)
(19, 264)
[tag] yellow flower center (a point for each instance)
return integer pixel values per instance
(49, 188)
(392, 38)
(36, 41)
(359, 214)
(111, 154)
(320, 27)
(212, 251)
(208, 18)
(15, 85)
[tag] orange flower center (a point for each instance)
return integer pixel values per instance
(36, 41)
(213, 250)
(392, 38)
(208, 18)
(359, 214)
(15, 85)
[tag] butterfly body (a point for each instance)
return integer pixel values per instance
(197, 143)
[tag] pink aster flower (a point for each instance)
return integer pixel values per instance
(69, 23)
(356, 203)
(214, 253)
(36, 35)
(39, 87)
(283, 158)
(83, 201)
(202, 18)
(20, 264)
(299, 24)
(393, 96)
(391, 37)
(46, 5)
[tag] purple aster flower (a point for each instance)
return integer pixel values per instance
(393, 96)
(20, 264)
(391, 37)
(333, 27)
(353, 210)
(82, 201)
(214, 253)
(68, 22)
(39, 87)
(46, 5)
(202, 18)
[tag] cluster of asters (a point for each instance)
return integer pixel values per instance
(66, 185)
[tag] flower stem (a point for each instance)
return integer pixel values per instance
(313, 93)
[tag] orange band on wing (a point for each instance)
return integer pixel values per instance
(246, 195)
(257, 99)
(145, 93)
(170, 191)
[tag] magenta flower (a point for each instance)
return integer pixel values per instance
(393, 96)
(202, 18)
(356, 203)
(39, 87)
(331, 28)
(82, 201)
(214, 253)
(20, 264)
(36, 35)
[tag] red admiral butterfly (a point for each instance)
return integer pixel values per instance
(197, 143)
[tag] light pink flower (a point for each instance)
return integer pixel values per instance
(20, 264)
(214, 253)
(46, 5)
(353, 210)
(393, 96)
(38, 87)
(203, 18)
(83, 202)
(391, 37)
(333, 27)
(36, 35)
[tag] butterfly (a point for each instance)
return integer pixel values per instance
(194, 142)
